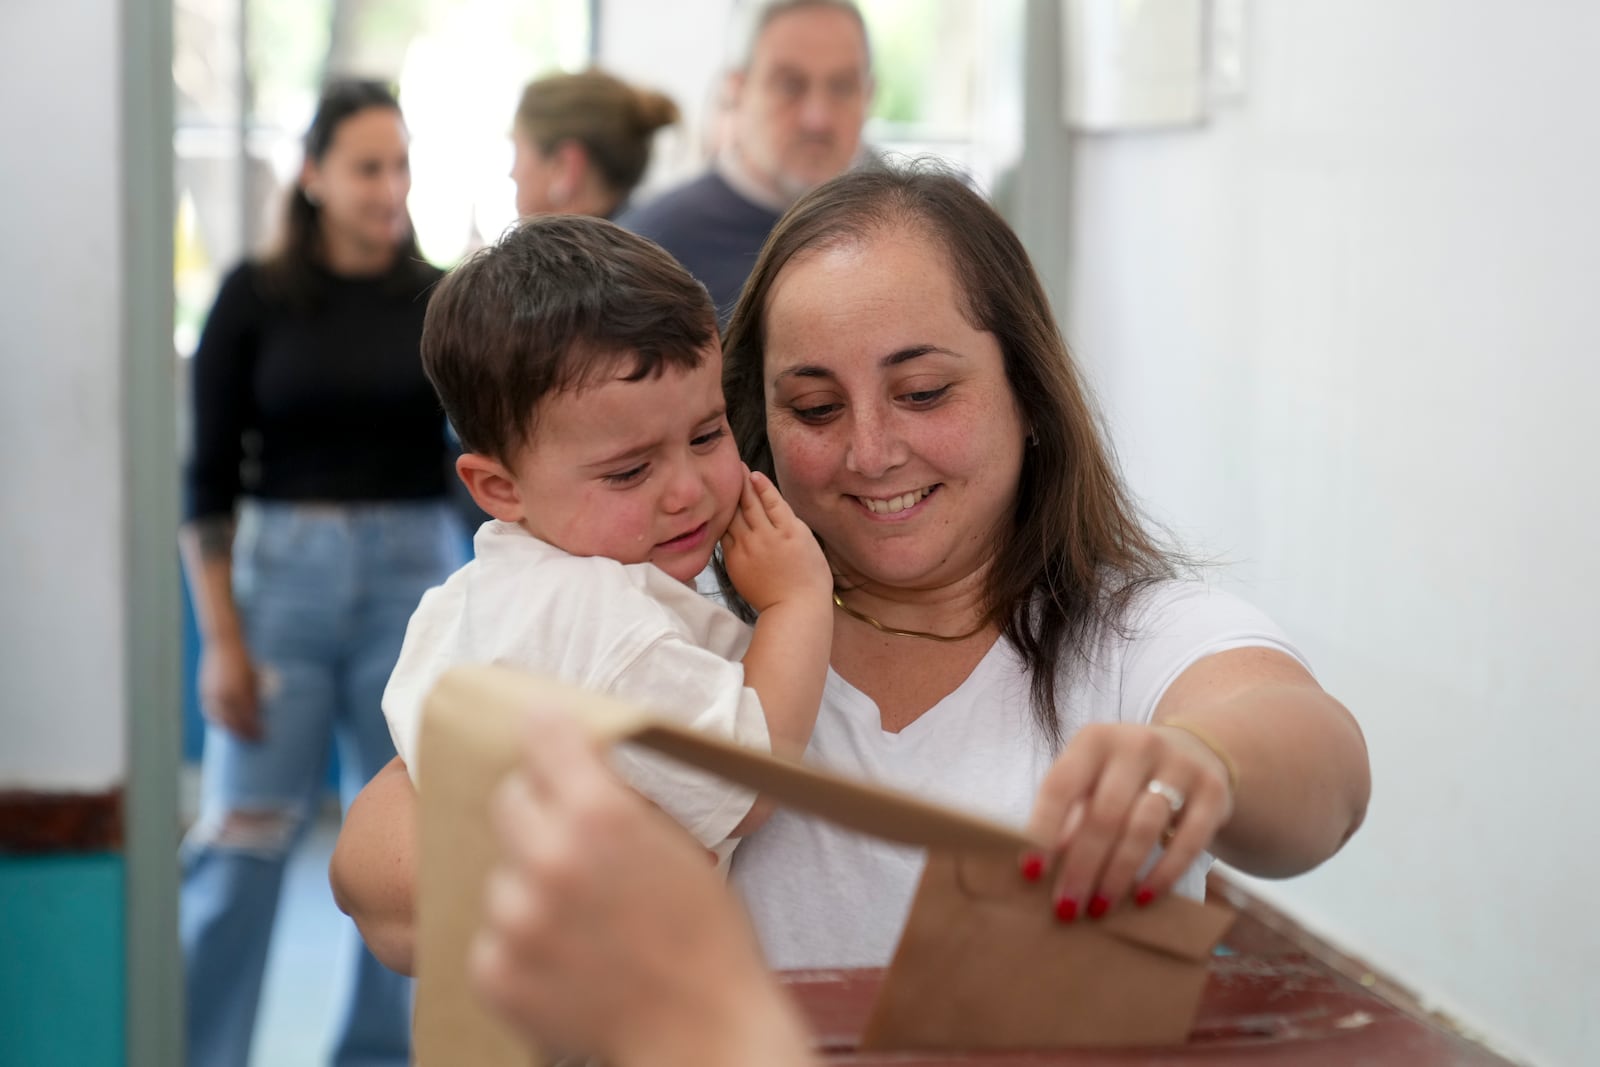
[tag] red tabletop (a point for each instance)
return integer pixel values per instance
(1257, 1009)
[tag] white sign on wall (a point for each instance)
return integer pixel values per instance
(1132, 64)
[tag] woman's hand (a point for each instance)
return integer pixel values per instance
(1272, 773)
(770, 554)
(1118, 792)
(608, 932)
(229, 687)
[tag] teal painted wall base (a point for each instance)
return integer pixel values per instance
(61, 961)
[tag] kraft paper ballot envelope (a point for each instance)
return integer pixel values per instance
(980, 964)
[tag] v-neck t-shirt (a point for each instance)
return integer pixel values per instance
(822, 896)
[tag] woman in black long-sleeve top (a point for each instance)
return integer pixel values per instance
(316, 517)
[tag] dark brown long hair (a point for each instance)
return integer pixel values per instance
(291, 270)
(1077, 549)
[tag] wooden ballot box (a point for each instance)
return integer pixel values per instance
(1268, 1000)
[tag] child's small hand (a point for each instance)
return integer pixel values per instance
(770, 554)
(778, 567)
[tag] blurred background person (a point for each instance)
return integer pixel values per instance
(796, 100)
(583, 141)
(314, 422)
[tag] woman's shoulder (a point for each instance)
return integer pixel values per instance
(244, 282)
(1171, 624)
(1163, 605)
(241, 303)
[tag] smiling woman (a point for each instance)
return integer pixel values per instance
(349, 207)
(1009, 637)
(887, 412)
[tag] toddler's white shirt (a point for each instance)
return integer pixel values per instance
(630, 630)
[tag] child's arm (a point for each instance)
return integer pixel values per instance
(778, 567)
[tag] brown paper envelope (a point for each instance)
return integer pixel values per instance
(460, 766)
(983, 963)
(471, 737)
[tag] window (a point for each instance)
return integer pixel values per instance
(949, 76)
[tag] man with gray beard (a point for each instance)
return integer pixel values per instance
(797, 101)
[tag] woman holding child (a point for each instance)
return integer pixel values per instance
(1007, 637)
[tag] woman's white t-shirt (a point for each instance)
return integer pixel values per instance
(821, 896)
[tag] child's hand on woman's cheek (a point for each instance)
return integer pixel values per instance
(770, 554)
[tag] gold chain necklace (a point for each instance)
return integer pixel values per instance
(893, 632)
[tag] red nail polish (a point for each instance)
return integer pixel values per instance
(1032, 867)
(1066, 909)
(1143, 897)
(1098, 906)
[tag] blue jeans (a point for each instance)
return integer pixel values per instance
(324, 593)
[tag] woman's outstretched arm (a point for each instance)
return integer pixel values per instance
(374, 867)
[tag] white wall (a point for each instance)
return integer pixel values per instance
(1347, 337)
(61, 429)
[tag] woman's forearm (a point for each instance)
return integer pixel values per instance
(206, 546)
(1301, 761)
(374, 867)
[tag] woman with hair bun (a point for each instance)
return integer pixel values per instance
(583, 142)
